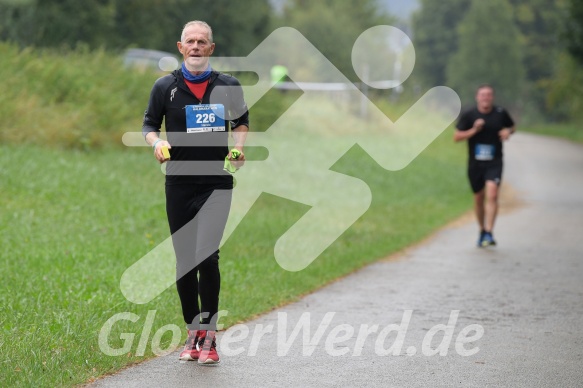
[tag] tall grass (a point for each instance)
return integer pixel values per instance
(82, 99)
(75, 99)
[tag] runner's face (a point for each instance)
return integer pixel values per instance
(485, 98)
(196, 48)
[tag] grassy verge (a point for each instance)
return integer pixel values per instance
(90, 95)
(80, 99)
(569, 131)
(73, 221)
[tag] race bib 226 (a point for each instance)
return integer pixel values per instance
(205, 118)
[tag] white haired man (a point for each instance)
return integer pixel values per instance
(198, 189)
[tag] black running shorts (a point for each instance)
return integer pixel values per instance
(480, 172)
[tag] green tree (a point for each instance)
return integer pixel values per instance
(539, 23)
(565, 96)
(14, 15)
(574, 30)
(435, 37)
(55, 23)
(334, 25)
(489, 52)
(156, 24)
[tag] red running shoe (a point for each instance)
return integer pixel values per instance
(207, 348)
(190, 352)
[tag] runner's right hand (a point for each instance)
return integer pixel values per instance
(479, 124)
(158, 151)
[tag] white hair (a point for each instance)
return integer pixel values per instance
(197, 23)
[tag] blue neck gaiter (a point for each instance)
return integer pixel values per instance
(197, 79)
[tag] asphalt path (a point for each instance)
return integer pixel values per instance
(440, 314)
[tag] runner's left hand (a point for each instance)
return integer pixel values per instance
(505, 134)
(240, 161)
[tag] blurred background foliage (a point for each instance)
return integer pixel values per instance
(530, 50)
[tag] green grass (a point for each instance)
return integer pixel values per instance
(569, 131)
(73, 221)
